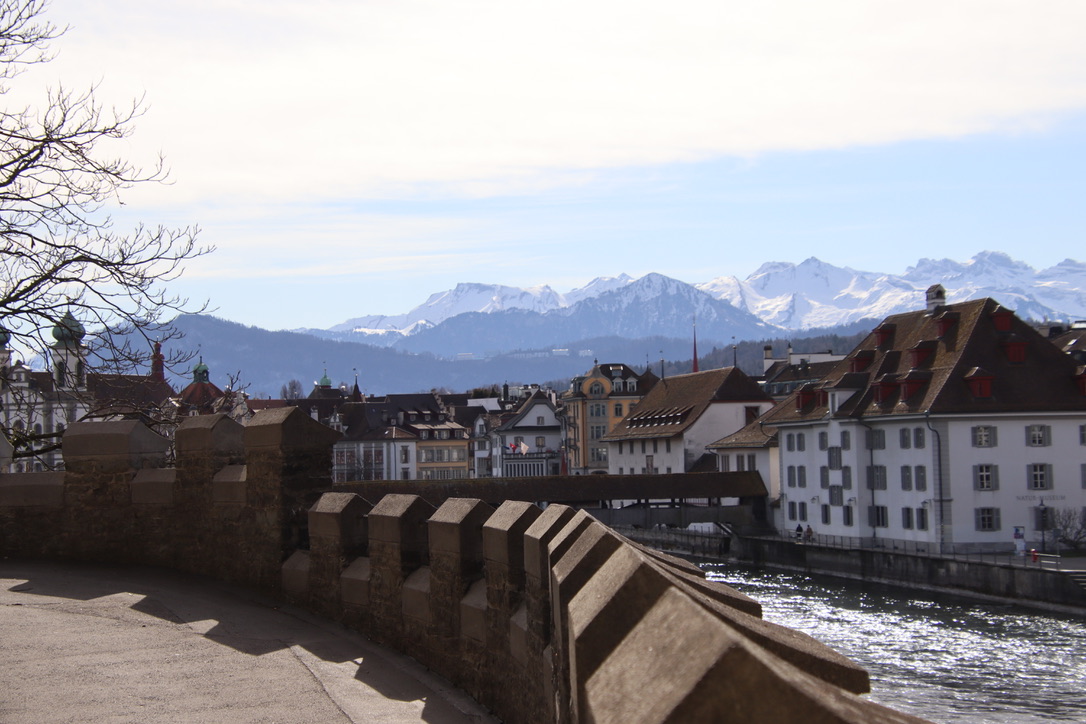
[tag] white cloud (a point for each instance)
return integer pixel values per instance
(278, 101)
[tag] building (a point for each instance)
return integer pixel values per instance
(527, 441)
(594, 403)
(950, 428)
(400, 437)
(668, 431)
(37, 406)
(781, 376)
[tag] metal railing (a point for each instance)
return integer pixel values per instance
(715, 544)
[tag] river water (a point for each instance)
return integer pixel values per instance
(940, 657)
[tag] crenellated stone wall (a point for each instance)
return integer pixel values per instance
(544, 615)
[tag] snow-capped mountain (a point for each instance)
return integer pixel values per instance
(816, 294)
(779, 297)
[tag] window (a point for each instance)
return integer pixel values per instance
(846, 477)
(846, 440)
(824, 476)
(801, 441)
(825, 514)
(1038, 435)
(667, 446)
(878, 516)
(848, 520)
(985, 477)
(906, 477)
(595, 432)
(1039, 476)
(598, 454)
(833, 458)
(540, 442)
(906, 438)
(791, 510)
(823, 440)
(986, 519)
(618, 409)
(631, 447)
(918, 438)
(725, 463)
(740, 463)
(876, 439)
(907, 518)
(642, 447)
(596, 388)
(984, 436)
(540, 421)
(596, 409)
(751, 459)
(876, 477)
(921, 518)
(1083, 474)
(803, 511)
(791, 476)
(801, 476)
(405, 453)
(920, 478)
(751, 413)
(790, 441)
(655, 446)
(837, 495)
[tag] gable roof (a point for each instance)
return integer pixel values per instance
(929, 361)
(674, 404)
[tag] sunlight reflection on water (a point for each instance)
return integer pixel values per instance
(944, 658)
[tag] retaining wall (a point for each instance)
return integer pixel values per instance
(542, 615)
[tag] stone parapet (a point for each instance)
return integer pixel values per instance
(544, 615)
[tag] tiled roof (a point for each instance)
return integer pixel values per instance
(753, 435)
(937, 362)
(676, 403)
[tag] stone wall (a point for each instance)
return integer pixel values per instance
(544, 615)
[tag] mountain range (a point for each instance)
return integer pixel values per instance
(638, 318)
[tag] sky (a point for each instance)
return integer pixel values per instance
(351, 157)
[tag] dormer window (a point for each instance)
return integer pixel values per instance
(1001, 319)
(946, 322)
(884, 334)
(980, 382)
(884, 389)
(920, 354)
(861, 360)
(596, 388)
(1015, 349)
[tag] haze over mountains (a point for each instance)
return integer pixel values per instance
(640, 319)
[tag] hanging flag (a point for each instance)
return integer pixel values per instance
(523, 448)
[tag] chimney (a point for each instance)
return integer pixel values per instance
(936, 297)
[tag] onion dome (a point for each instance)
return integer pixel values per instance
(69, 330)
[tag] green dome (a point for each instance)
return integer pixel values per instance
(69, 330)
(201, 373)
(325, 381)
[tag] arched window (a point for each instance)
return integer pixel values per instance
(596, 388)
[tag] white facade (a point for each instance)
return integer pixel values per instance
(939, 483)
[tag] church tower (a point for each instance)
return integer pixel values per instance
(69, 354)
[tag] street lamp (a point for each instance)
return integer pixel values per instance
(1044, 524)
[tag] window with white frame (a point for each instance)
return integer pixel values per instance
(878, 516)
(906, 438)
(846, 477)
(984, 436)
(876, 439)
(1039, 476)
(803, 511)
(918, 438)
(986, 477)
(920, 478)
(801, 476)
(848, 519)
(907, 518)
(1038, 435)
(837, 495)
(921, 518)
(986, 519)
(906, 477)
(846, 440)
(791, 475)
(824, 476)
(825, 514)
(790, 441)
(801, 441)
(823, 440)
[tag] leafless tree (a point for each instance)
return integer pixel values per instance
(1069, 525)
(59, 249)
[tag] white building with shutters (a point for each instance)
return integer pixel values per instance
(957, 428)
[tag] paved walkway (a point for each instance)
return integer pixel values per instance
(82, 643)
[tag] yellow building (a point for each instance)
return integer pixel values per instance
(592, 406)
